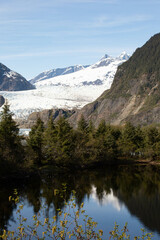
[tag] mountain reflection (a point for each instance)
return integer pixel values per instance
(135, 187)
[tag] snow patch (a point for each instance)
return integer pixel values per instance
(10, 74)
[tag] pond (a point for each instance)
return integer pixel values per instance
(129, 193)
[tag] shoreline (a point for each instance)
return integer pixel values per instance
(26, 173)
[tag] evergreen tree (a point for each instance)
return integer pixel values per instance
(151, 141)
(10, 141)
(105, 143)
(65, 145)
(127, 142)
(91, 127)
(35, 142)
(83, 146)
(101, 130)
(50, 140)
(82, 125)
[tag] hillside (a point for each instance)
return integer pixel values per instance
(12, 81)
(135, 93)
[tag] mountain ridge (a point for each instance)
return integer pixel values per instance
(56, 72)
(135, 92)
(104, 61)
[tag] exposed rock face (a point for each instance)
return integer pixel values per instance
(12, 81)
(2, 100)
(135, 93)
(45, 116)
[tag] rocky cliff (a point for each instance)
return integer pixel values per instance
(12, 81)
(135, 93)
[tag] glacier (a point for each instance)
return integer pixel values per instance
(68, 91)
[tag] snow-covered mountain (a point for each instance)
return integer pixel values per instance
(100, 74)
(72, 90)
(12, 81)
(57, 72)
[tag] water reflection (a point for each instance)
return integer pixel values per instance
(107, 199)
(136, 188)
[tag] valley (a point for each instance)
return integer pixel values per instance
(72, 90)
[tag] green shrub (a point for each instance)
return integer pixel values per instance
(70, 223)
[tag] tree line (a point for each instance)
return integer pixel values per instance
(58, 144)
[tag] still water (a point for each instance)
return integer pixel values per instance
(115, 194)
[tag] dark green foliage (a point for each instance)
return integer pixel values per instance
(50, 139)
(82, 125)
(11, 150)
(127, 142)
(91, 127)
(131, 140)
(101, 130)
(35, 142)
(106, 142)
(64, 142)
(60, 145)
(86, 146)
(151, 142)
(57, 143)
(82, 135)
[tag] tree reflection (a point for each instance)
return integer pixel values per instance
(138, 187)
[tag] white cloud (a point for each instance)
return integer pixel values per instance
(23, 5)
(104, 21)
(146, 2)
(91, 1)
(52, 53)
(19, 21)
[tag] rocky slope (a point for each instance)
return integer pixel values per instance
(45, 116)
(135, 93)
(12, 81)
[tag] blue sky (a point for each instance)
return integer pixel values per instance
(38, 35)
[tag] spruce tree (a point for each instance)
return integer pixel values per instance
(91, 127)
(65, 144)
(50, 139)
(151, 141)
(83, 134)
(35, 142)
(101, 130)
(10, 141)
(82, 125)
(128, 140)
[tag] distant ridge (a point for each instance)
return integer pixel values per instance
(56, 72)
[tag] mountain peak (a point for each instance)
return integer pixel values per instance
(105, 57)
(124, 56)
(12, 81)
